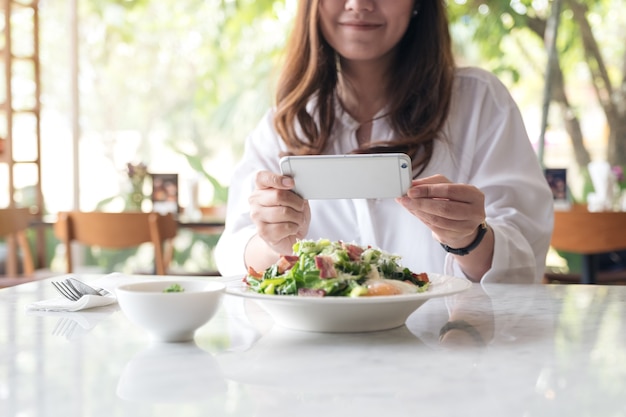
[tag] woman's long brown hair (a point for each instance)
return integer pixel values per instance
(420, 89)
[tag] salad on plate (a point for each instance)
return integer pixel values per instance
(323, 268)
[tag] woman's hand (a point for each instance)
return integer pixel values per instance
(280, 215)
(453, 213)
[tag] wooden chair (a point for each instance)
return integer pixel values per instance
(118, 231)
(589, 234)
(13, 225)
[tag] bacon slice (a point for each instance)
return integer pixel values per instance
(422, 276)
(326, 267)
(254, 273)
(286, 262)
(354, 251)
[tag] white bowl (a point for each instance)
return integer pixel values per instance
(170, 316)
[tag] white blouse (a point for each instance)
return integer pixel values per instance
(486, 145)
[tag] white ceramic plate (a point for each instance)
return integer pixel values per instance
(345, 314)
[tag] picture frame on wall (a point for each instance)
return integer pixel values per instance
(165, 193)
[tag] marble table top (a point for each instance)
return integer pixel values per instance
(494, 350)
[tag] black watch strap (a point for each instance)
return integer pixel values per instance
(482, 231)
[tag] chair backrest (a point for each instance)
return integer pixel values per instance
(581, 231)
(13, 225)
(117, 231)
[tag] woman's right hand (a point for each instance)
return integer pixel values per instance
(280, 215)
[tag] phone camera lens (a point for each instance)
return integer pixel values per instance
(404, 165)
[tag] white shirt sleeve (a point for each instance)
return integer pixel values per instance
(261, 152)
(518, 201)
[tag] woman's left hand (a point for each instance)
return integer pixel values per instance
(452, 211)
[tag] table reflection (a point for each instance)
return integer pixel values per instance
(287, 358)
(294, 368)
(73, 325)
(171, 373)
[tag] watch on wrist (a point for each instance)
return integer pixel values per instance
(482, 231)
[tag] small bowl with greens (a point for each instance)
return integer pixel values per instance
(170, 311)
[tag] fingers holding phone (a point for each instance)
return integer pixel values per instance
(268, 179)
(452, 211)
(281, 216)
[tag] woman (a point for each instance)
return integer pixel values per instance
(371, 76)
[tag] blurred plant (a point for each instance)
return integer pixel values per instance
(220, 192)
(137, 174)
(511, 36)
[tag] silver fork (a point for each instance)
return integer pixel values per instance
(73, 289)
(66, 290)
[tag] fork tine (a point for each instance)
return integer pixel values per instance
(74, 295)
(63, 291)
(59, 290)
(73, 289)
(69, 290)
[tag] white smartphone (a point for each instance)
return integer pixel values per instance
(349, 176)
